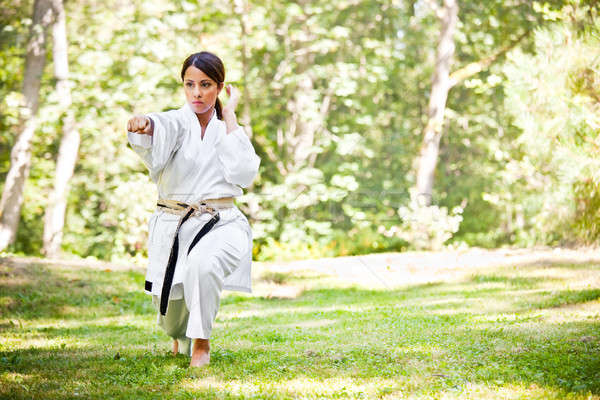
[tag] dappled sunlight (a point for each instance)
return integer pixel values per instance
(470, 390)
(429, 349)
(75, 316)
(571, 313)
(302, 386)
(76, 337)
(400, 387)
(473, 305)
(127, 319)
(40, 342)
(555, 271)
(485, 334)
(507, 317)
(285, 311)
(273, 290)
(445, 301)
(450, 306)
(316, 323)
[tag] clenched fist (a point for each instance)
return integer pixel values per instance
(140, 124)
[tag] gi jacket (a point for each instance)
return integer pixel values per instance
(187, 168)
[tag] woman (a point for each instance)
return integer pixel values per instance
(199, 242)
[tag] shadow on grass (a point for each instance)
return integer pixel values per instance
(573, 264)
(37, 291)
(481, 356)
(555, 299)
(519, 281)
(370, 335)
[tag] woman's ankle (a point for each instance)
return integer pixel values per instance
(201, 345)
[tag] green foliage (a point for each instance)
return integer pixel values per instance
(14, 28)
(556, 104)
(587, 210)
(426, 227)
(335, 93)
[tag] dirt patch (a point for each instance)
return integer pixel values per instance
(377, 271)
(389, 270)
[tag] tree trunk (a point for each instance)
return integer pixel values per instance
(54, 218)
(437, 102)
(20, 156)
(241, 10)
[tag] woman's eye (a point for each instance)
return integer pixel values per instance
(189, 84)
(205, 84)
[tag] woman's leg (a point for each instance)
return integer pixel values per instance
(215, 256)
(174, 323)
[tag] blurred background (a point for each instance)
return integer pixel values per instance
(382, 125)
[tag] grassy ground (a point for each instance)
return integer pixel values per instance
(521, 332)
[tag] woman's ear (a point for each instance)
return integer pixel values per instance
(219, 88)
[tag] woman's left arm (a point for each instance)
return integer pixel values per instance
(234, 149)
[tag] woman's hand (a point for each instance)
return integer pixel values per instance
(140, 124)
(234, 98)
(229, 109)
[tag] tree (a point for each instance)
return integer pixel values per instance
(448, 15)
(556, 177)
(12, 195)
(54, 218)
(518, 26)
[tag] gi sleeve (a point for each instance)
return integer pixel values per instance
(156, 150)
(238, 158)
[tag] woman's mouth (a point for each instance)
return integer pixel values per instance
(197, 102)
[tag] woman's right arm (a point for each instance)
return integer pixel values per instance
(155, 137)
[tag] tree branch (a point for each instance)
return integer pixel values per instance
(473, 68)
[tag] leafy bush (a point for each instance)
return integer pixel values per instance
(426, 227)
(555, 98)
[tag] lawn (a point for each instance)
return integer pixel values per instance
(512, 332)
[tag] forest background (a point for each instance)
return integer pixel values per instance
(381, 125)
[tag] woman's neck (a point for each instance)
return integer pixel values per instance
(204, 119)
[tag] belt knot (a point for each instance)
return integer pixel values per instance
(211, 206)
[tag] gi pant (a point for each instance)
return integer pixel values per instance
(193, 305)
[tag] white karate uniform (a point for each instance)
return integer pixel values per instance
(189, 169)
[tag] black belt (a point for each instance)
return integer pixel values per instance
(170, 270)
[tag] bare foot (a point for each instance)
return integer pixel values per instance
(200, 353)
(175, 347)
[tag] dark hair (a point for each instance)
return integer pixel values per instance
(212, 66)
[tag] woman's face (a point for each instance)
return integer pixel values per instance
(200, 91)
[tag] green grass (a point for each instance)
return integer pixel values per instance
(527, 332)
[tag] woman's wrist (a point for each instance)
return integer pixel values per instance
(230, 120)
(228, 112)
